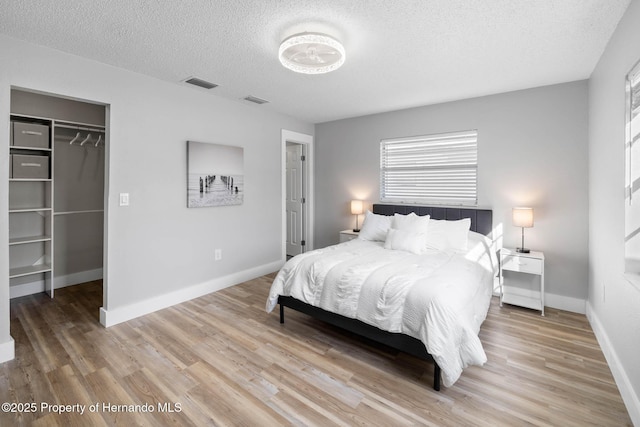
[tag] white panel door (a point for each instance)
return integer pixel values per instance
(295, 200)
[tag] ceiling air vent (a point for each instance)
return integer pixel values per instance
(201, 83)
(256, 100)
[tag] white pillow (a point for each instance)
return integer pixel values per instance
(375, 227)
(444, 234)
(406, 240)
(411, 222)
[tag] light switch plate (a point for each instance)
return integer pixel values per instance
(124, 199)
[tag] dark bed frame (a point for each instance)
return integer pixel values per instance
(481, 222)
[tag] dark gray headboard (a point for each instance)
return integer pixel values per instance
(481, 219)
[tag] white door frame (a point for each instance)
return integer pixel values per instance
(307, 140)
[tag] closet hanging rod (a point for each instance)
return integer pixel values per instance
(88, 129)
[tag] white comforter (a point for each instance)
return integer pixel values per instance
(440, 298)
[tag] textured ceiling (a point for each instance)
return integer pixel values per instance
(400, 54)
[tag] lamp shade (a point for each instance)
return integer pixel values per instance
(356, 207)
(523, 217)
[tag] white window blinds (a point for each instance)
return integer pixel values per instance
(439, 169)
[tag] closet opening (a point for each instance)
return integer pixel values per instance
(57, 198)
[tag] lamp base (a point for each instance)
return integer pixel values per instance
(356, 230)
(523, 250)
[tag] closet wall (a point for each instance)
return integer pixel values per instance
(78, 170)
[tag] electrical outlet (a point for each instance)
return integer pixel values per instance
(217, 254)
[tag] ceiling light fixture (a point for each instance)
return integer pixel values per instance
(311, 53)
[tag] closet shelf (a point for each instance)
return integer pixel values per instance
(17, 147)
(29, 117)
(29, 210)
(29, 180)
(29, 270)
(29, 239)
(79, 126)
(79, 212)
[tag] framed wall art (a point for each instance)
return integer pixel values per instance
(215, 175)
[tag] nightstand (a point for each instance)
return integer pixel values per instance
(346, 235)
(522, 279)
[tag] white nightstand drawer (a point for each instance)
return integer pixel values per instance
(522, 264)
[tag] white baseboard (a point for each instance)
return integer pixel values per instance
(24, 289)
(630, 398)
(122, 314)
(77, 278)
(7, 350)
(38, 286)
(560, 302)
(575, 305)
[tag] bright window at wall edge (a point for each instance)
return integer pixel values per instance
(430, 169)
(632, 177)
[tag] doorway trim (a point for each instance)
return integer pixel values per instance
(307, 141)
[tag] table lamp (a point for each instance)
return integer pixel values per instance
(523, 217)
(356, 209)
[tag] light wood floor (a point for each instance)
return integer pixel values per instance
(224, 361)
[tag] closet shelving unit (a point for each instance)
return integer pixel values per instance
(31, 204)
(31, 199)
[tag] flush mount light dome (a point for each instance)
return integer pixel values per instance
(311, 53)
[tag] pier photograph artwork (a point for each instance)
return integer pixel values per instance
(215, 175)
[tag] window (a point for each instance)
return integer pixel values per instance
(632, 176)
(438, 169)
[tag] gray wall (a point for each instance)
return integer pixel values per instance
(614, 301)
(156, 246)
(532, 151)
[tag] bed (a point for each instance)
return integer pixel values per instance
(385, 286)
